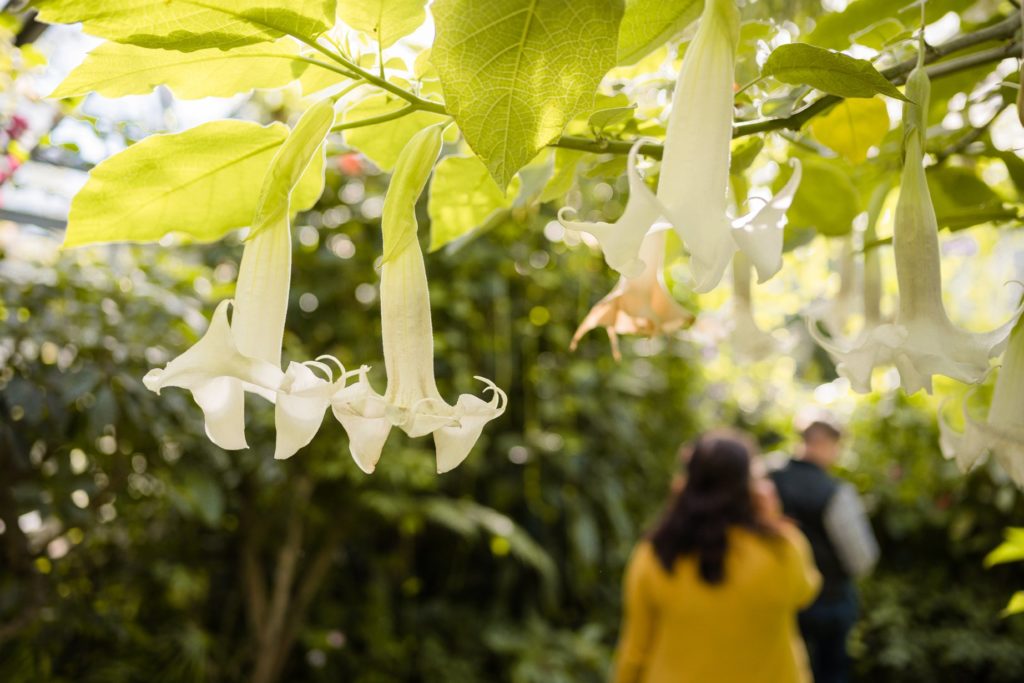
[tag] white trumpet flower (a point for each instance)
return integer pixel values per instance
(692, 190)
(245, 354)
(749, 342)
(1002, 433)
(922, 341)
(411, 401)
(640, 305)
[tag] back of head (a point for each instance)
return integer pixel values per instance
(716, 495)
(821, 442)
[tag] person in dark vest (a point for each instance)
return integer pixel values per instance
(832, 517)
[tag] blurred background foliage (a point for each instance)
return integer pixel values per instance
(131, 544)
(131, 548)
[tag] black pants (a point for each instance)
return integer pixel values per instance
(825, 626)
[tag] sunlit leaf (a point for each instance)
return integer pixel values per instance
(192, 24)
(117, 69)
(853, 127)
(649, 24)
(827, 200)
(462, 197)
(203, 182)
(830, 72)
(385, 20)
(514, 72)
(383, 142)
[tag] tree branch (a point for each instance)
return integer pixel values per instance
(1002, 30)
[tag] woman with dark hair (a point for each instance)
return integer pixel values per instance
(711, 595)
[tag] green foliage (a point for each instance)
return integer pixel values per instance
(649, 24)
(514, 73)
(489, 573)
(115, 70)
(830, 213)
(828, 71)
(188, 25)
(931, 610)
(203, 183)
(463, 197)
(383, 142)
(853, 127)
(385, 20)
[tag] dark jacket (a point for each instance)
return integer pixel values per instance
(805, 490)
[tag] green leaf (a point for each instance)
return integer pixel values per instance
(830, 72)
(203, 182)
(385, 20)
(189, 25)
(462, 197)
(1010, 550)
(564, 175)
(514, 72)
(117, 69)
(826, 201)
(744, 152)
(962, 199)
(649, 24)
(383, 142)
(605, 118)
(853, 127)
(1015, 606)
(289, 165)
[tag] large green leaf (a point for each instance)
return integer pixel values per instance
(462, 197)
(831, 72)
(188, 25)
(203, 182)
(962, 199)
(853, 127)
(383, 142)
(385, 20)
(826, 201)
(118, 69)
(514, 72)
(649, 24)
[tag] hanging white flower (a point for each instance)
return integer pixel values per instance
(1002, 432)
(245, 353)
(411, 401)
(922, 341)
(694, 177)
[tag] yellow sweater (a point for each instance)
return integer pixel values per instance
(678, 629)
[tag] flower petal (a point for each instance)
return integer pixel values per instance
(301, 402)
(216, 374)
(453, 443)
(362, 413)
(620, 241)
(222, 400)
(759, 233)
(695, 166)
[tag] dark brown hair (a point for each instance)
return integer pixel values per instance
(715, 497)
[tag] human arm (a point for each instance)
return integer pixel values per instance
(802, 576)
(847, 525)
(638, 619)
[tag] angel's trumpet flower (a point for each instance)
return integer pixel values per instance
(245, 354)
(922, 341)
(411, 401)
(640, 305)
(693, 183)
